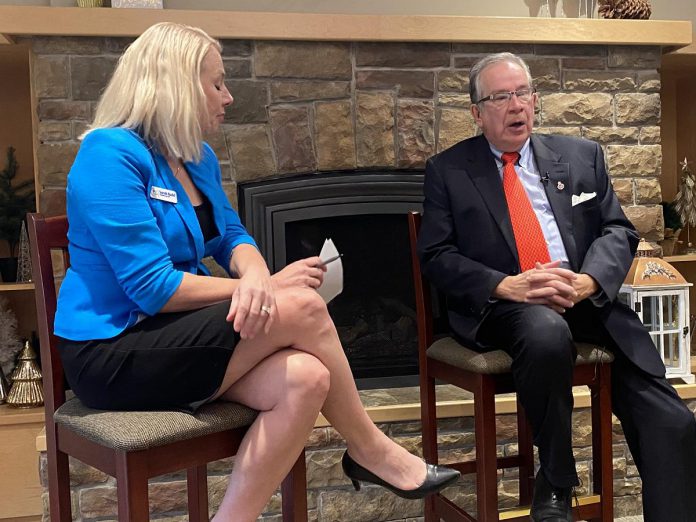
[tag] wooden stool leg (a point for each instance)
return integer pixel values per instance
(486, 457)
(429, 434)
(525, 450)
(131, 489)
(58, 484)
(602, 463)
(294, 492)
(197, 487)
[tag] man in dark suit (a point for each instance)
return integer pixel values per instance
(526, 237)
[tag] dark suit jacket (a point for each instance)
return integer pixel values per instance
(466, 244)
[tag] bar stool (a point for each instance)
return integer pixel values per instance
(486, 375)
(131, 446)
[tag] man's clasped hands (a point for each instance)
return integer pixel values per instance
(547, 284)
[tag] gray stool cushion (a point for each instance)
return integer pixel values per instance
(449, 351)
(139, 430)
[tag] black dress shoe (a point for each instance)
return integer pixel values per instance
(436, 478)
(551, 504)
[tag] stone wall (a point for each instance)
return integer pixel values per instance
(331, 498)
(313, 106)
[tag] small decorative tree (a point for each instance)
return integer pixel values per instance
(24, 263)
(685, 200)
(27, 390)
(15, 202)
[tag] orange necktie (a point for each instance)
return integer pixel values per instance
(531, 244)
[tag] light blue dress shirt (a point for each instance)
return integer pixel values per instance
(530, 178)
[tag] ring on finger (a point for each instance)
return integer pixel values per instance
(266, 309)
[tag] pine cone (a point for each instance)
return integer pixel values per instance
(607, 8)
(626, 9)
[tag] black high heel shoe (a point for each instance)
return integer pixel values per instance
(436, 478)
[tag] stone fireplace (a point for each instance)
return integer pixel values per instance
(318, 127)
(340, 115)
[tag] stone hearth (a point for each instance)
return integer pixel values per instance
(331, 498)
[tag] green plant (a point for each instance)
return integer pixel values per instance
(15, 202)
(671, 216)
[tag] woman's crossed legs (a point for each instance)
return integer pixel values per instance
(291, 374)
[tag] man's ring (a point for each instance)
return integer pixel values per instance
(266, 309)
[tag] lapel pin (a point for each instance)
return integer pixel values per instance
(560, 185)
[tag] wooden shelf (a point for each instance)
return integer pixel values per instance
(13, 287)
(14, 416)
(20, 485)
(681, 57)
(682, 258)
(75, 21)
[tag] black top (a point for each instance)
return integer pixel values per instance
(204, 213)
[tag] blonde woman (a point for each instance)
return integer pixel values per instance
(138, 314)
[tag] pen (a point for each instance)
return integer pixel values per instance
(330, 260)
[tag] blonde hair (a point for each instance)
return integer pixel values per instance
(156, 90)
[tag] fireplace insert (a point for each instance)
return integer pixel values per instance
(364, 213)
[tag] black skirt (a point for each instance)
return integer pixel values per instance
(171, 361)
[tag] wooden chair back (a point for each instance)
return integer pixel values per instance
(421, 288)
(45, 236)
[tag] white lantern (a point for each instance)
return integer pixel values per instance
(660, 296)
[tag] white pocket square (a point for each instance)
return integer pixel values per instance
(584, 196)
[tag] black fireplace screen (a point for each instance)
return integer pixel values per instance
(375, 314)
(365, 216)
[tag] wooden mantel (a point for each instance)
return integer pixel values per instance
(75, 21)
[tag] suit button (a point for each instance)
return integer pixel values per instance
(514, 272)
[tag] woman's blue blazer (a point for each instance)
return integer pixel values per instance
(133, 233)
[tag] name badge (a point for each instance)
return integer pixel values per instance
(163, 194)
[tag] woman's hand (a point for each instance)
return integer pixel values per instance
(253, 306)
(303, 273)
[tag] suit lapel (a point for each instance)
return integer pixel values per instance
(485, 176)
(183, 207)
(559, 191)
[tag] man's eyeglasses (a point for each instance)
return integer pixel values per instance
(500, 99)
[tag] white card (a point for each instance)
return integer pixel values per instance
(333, 277)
